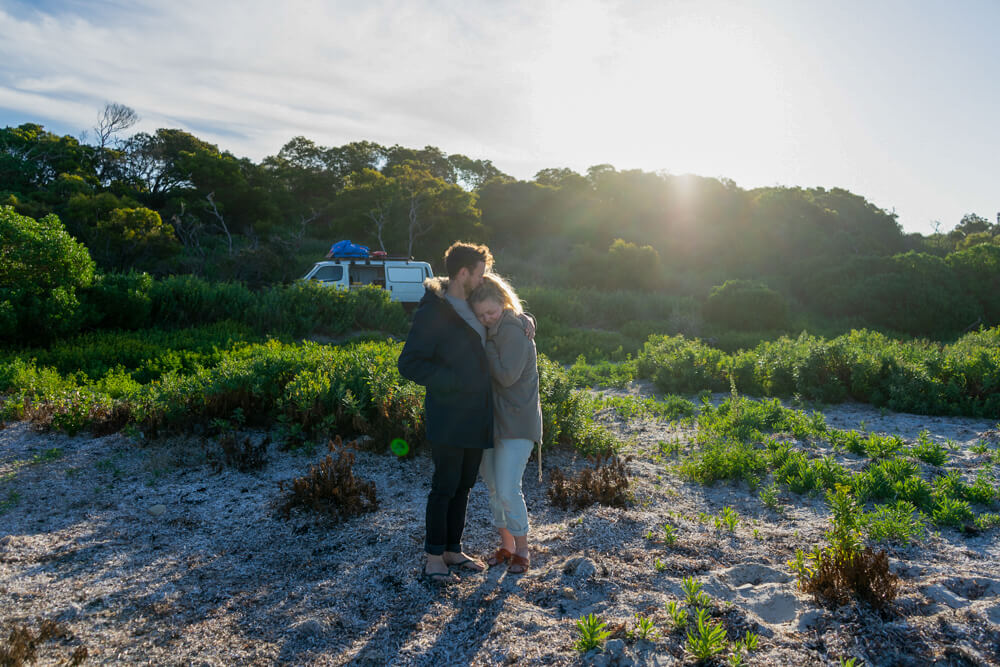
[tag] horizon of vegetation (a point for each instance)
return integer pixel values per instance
(703, 256)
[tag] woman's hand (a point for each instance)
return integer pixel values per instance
(529, 325)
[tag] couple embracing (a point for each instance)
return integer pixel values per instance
(472, 347)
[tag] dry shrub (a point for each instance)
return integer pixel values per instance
(863, 573)
(330, 488)
(21, 647)
(243, 455)
(105, 421)
(606, 483)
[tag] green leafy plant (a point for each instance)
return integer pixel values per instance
(952, 512)
(728, 518)
(708, 639)
(590, 633)
(769, 496)
(644, 628)
(693, 595)
(900, 523)
(928, 451)
(678, 615)
(844, 568)
(669, 535)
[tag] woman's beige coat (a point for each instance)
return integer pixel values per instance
(517, 410)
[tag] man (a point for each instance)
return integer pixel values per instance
(444, 352)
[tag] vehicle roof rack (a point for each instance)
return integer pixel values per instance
(369, 258)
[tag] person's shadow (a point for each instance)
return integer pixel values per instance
(457, 643)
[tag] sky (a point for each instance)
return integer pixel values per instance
(895, 100)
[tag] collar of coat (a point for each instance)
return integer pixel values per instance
(437, 285)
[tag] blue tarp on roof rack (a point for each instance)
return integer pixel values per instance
(347, 249)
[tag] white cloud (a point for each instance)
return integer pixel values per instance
(759, 94)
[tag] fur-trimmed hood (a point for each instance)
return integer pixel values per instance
(437, 284)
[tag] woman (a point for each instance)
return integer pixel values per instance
(517, 416)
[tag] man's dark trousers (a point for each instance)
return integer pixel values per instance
(455, 472)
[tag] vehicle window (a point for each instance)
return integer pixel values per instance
(329, 274)
(405, 274)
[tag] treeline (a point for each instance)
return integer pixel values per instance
(170, 203)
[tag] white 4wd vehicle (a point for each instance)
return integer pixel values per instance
(404, 278)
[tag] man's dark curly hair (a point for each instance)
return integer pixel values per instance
(466, 255)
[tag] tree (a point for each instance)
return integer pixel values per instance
(974, 224)
(114, 118)
(128, 238)
(41, 269)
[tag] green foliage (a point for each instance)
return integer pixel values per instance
(681, 366)
(962, 378)
(678, 615)
(590, 633)
(929, 451)
(670, 408)
(568, 414)
(604, 373)
(745, 305)
(708, 638)
(844, 568)
(913, 292)
(952, 512)
(899, 523)
(769, 496)
(693, 595)
(119, 301)
(729, 518)
(888, 479)
(719, 458)
(645, 628)
(41, 269)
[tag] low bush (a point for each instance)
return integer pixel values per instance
(845, 569)
(928, 451)
(745, 305)
(864, 574)
(900, 523)
(719, 458)
(606, 483)
(568, 414)
(916, 376)
(330, 489)
(243, 454)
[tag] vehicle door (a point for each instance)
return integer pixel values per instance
(406, 283)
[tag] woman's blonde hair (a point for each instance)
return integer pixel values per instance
(496, 288)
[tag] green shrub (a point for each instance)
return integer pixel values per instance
(677, 365)
(720, 458)
(119, 301)
(567, 414)
(915, 293)
(952, 512)
(900, 523)
(42, 268)
(929, 451)
(916, 376)
(745, 305)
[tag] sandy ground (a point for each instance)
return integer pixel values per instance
(151, 554)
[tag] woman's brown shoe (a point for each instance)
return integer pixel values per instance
(500, 557)
(518, 564)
